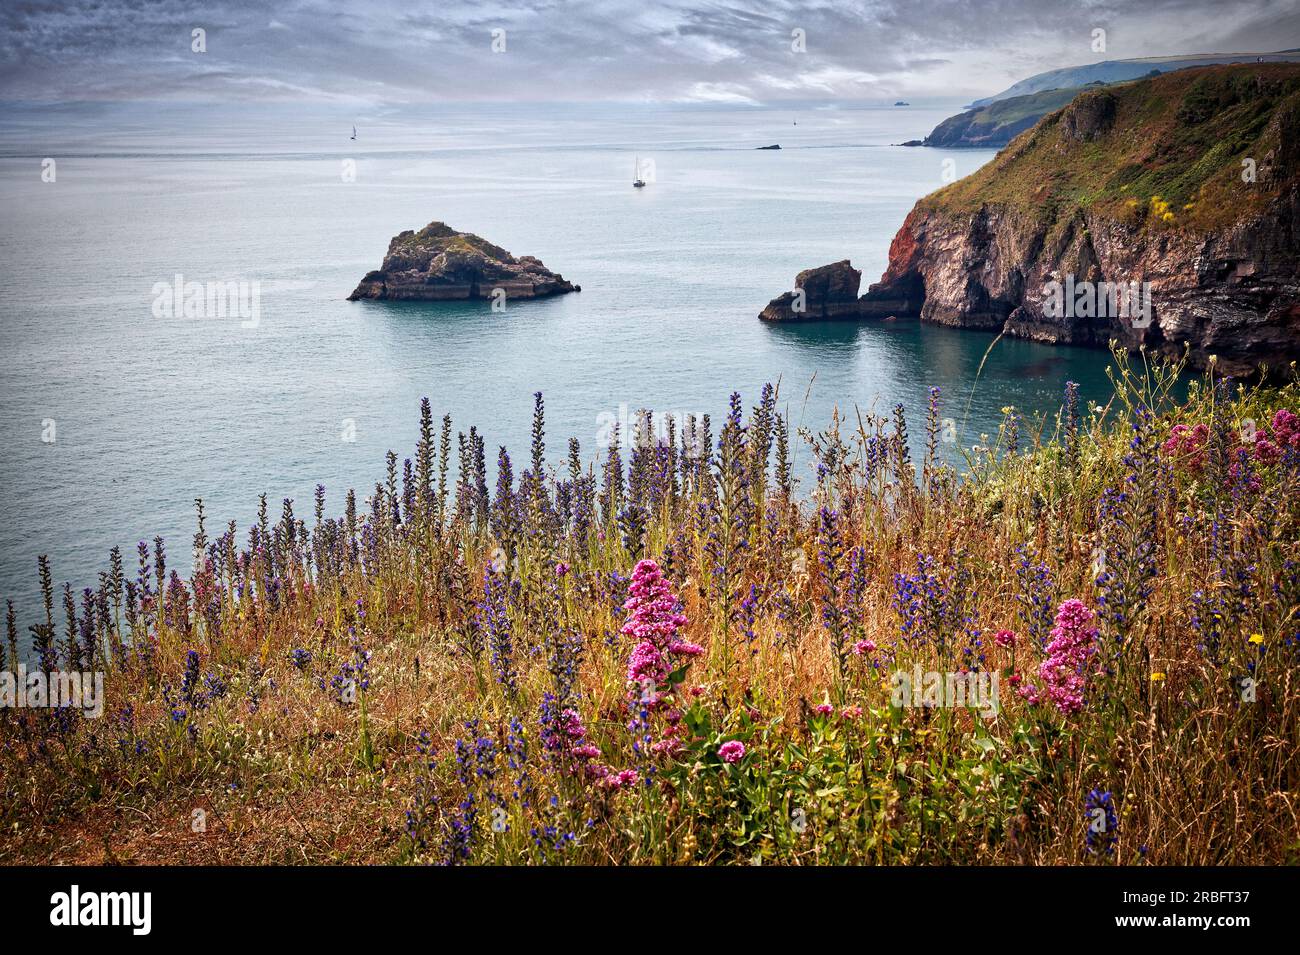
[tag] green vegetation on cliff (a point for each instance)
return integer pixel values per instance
(998, 123)
(1172, 151)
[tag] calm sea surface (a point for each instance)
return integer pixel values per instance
(148, 414)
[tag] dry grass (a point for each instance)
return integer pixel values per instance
(1197, 774)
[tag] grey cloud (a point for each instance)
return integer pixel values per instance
(383, 50)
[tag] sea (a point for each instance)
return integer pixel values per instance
(117, 413)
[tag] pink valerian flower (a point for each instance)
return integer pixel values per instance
(668, 746)
(1029, 692)
(647, 664)
(732, 751)
(623, 779)
(1005, 639)
(824, 709)
(652, 607)
(1286, 434)
(653, 621)
(862, 648)
(850, 712)
(1266, 452)
(1187, 445)
(1286, 428)
(686, 649)
(571, 723)
(1065, 671)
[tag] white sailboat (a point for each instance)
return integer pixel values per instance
(354, 133)
(637, 181)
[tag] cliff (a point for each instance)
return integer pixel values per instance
(440, 264)
(1185, 186)
(995, 125)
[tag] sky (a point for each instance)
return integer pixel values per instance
(664, 51)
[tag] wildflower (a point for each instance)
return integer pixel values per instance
(825, 709)
(1128, 517)
(1074, 641)
(732, 751)
(1266, 451)
(833, 577)
(1036, 597)
(1256, 638)
(668, 746)
(863, 647)
(851, 712)
(652, 606)
(647, 664)
(624, 779)
(1103, 823)
(1286, 428)
(1157, 677)
(1005, 639)
(1188, 445)
(561, 569)
(1070, 413)
(653, 621)
(494, 620)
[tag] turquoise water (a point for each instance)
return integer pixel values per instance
(151, 413)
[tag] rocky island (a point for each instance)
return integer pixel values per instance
(820, 294)
(440, 264)
(1186, 184)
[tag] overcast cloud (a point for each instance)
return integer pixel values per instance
(399, 51)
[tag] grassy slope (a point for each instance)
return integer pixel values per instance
(995, 124)
(287, 774)
(1176, 146)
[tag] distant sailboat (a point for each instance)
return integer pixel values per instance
(637, 181)
(796, 122)
(354, 132)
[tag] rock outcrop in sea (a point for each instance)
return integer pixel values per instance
(440, 264)
(1185, 186)
(820, 294)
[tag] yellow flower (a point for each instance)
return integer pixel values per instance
(1256, 638)
(1157, 677)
